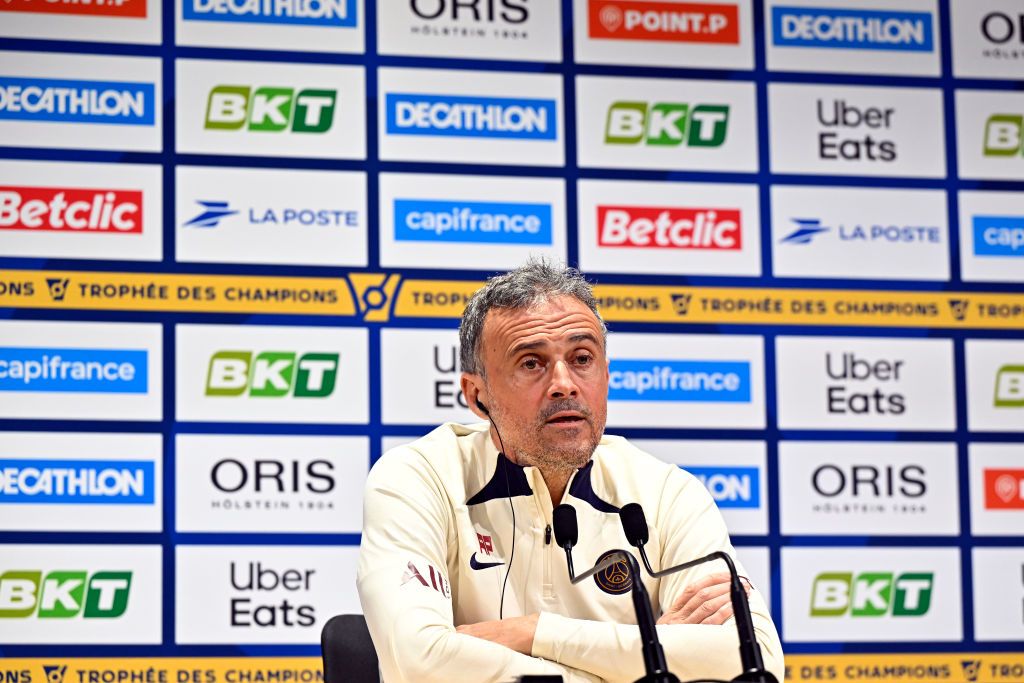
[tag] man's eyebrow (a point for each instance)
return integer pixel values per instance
(529, 346)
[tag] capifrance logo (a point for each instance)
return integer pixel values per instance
(326, 13)
(50, 481)
(664, 21)
(710, 381)
(655, 227)
(731, 487)
(44, 209)
(998, 235)
(442, 220)
(77, 101)
(107, 371)
(852, 29)
(517, 118)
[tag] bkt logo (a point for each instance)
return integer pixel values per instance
(809, 228)
(665, 21)
(237, 107)
(679, 380)
(51, 208)
(1010, 387)
(871, 594)
(92, 482)
(272, 374)
(998, 235)
(77, 101)
(1004, 489)
(213, 212)
(731, 487)
(852, 29)
(1004, 135)
(669, 228)
(327, 13)
(108, 371)
(64, 594)
(666, 124)
(441, 220)
(474, 117)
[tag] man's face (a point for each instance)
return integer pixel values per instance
(546, 382)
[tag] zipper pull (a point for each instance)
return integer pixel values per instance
(547, 535)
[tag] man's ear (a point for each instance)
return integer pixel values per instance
(473, 389)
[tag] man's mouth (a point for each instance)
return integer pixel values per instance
(566, 418)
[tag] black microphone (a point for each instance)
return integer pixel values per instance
(634, 525)
(566, 535)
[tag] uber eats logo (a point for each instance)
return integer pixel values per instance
(272, 374)
(871, 594)
(64, 594)
(666, 124)
(269, 109)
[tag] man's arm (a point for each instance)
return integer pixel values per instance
(404, 587)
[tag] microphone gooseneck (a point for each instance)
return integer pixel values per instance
(634, 525)
(566, 535)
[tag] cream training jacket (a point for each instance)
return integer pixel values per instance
(438, 534)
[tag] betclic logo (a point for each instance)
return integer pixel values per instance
(43, 208)
(630, 123)
(106, 594)
(271, 109)
(67, 481)
(270, 483)
(871, 594)
(496, 29)
(895, 37)
(113, 8)
(669, 227)
(115, 21)
(276, 374)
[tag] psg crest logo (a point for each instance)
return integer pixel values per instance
(614, 580)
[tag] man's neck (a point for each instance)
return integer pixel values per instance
(556, 483)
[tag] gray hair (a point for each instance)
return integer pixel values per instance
(528, 285)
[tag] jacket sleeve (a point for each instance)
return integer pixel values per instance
(404, 587)
(689, 526)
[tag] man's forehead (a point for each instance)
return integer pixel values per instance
(556, 317)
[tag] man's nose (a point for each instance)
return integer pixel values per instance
(562, 383)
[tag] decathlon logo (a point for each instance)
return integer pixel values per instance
(664, 21)
(679, 380)
(440, 220)
(108, 371)
(871, 594)
(64, 594)
(666, 124)
(51, 208)
(77, 101)
(998, 235)
(669, 228)
(473, 117)
(328, 13)
(270, 110)
(852, 29)
(272, 374)
(731, 487)
(91, 482)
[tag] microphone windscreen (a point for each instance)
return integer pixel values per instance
(634, 523)
(564, 520)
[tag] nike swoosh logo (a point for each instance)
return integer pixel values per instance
(476, 564)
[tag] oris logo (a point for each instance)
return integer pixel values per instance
(490, 11)
(669, 228)
(1002, 29)
(869, 481)
(273, 476)
(72, 210)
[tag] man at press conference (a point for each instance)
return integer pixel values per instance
(459, 576)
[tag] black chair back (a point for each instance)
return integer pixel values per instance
(348, 651)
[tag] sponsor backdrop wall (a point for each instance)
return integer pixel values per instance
(236, 237)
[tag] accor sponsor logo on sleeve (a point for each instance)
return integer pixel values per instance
(671, 228)
(53, 208)
(679, 380)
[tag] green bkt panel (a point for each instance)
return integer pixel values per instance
(234, 107)
(272, 374)
(1010, 387)
(64, 594)
(1004, 135)
(871, 594)
(666, 124)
